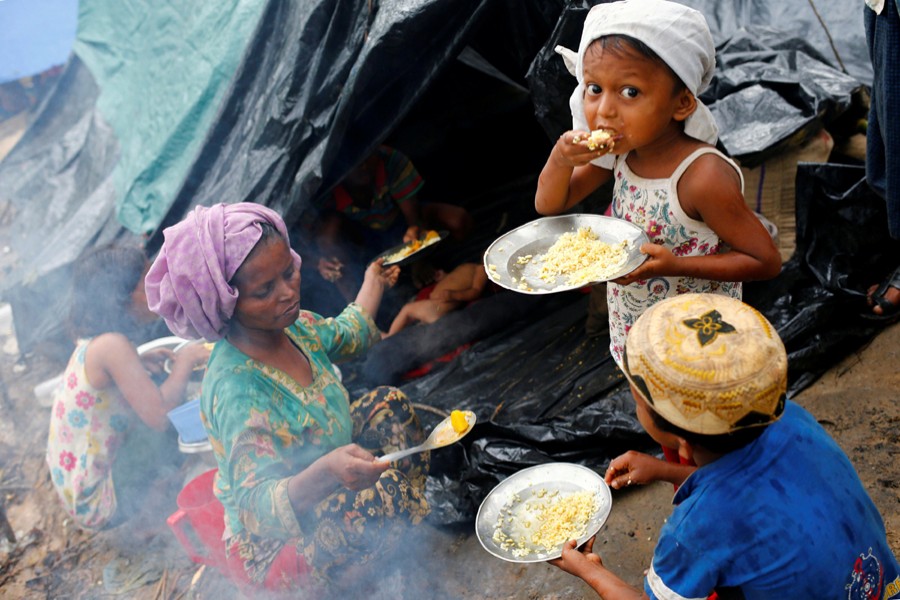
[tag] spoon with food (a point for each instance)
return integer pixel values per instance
(449, 431)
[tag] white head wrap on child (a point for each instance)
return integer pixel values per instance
(677, 33)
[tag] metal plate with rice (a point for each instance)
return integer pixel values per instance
(507, 264)
(173, 343)
(170, 342)
(509, 508)
(169, 365)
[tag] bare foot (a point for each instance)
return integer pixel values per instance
(884, 298)
(892, 296)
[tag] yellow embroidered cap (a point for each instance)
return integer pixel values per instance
(708, 363)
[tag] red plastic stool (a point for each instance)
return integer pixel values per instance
(199, 522)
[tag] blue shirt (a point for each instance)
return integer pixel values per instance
(784, 517)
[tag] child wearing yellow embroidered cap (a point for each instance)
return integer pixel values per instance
(774, 508)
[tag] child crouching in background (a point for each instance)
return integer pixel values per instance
(109, 435)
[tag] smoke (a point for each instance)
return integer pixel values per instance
(152, 471)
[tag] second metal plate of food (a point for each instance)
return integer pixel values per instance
(507, 507)
(502, 258)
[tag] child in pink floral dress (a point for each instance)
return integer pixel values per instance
(640, 68)
(106, 435)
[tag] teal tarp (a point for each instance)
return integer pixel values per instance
(163, 69)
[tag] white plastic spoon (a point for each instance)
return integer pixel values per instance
(442, 435)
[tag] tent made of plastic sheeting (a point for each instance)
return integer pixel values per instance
(287, 96)
(833, 28)
(162, 70)
(160, 109)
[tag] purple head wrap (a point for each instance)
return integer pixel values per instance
(187, 284)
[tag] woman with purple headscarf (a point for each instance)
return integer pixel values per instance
(303, 494)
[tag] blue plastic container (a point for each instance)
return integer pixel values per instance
(186, 419)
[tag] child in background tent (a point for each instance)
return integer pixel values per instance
(774, 509)
(376, 206)
(108, 424)
(463, 284)
(640, 67)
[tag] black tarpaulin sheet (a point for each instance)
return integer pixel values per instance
(543, 391)
(767, 88)
(314, 95)
(818, 303)
(320, 84)
(57, 200)
(833, 27)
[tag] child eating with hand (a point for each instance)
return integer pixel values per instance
(774, 508)
(640, 67)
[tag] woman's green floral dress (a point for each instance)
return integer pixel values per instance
(264, 427)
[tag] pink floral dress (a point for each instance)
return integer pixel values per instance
(652, 205)
(87, 426)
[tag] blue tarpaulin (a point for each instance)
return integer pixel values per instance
(35, 35)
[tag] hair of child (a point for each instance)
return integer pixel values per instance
(424, 274)
(619, 44)
(722, 443)
(103, 281)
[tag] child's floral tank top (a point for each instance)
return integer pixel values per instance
(87, 426)
(652, 205)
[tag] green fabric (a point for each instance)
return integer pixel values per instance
(265, 427)
(163, 69)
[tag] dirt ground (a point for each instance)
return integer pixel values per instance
(43, 556)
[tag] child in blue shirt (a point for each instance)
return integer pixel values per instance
(774, 508)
